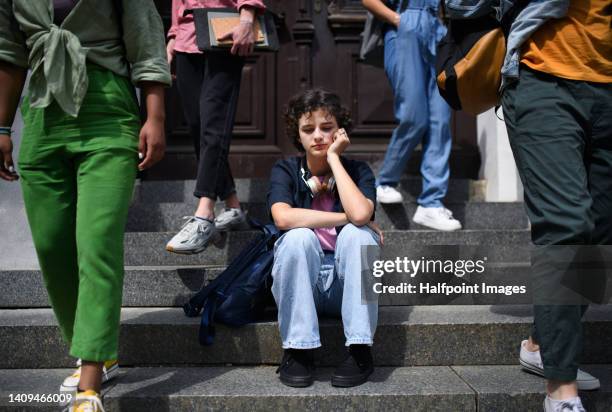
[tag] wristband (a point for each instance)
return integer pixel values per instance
(6, 131)
(243, 21)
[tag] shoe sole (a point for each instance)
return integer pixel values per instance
(528, 367)
(386, 202)
(193, 251)
(233, 226)
(582, 385)
(344, 382)
(296, 382)
(186, 252)
(428, 224)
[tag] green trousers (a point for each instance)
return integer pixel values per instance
(77, 176)
(561, 136)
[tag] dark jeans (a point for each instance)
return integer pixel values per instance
(209, 86)
(561, 135)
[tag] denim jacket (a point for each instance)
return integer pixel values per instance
(529, 20)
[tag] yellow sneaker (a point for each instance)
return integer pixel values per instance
(88, 401)
(71, 383)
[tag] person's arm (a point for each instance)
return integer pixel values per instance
(12, 79)
(380, 10)
(145, 44)
(357, 207)
(144, 40)
(286, 217)
(152, 141)
(281, 205)
(243, 36)
(13, 70)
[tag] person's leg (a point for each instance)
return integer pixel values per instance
(297, 261)
(600, 164)
(599, 161)
(545, 124)
(190, 69)
(49, 193)
(436, 147)
(189, 79)
(218, 103)
(406, 70)
(105, 178)
(359, 308)
(359, 316)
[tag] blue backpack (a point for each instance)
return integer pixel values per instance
(239, 294)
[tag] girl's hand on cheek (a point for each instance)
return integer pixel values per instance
(341, 142)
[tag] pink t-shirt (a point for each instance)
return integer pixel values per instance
(183, 28)
(326, 235)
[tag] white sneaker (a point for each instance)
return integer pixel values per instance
(532, 362)
(439, 218)
(71, 383)
(566, 405)
(230, 218)
(193, 237)
(88, 401)
(388, 194)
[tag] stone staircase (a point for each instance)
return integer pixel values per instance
(433, 353)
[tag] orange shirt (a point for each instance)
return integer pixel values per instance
(578, 46)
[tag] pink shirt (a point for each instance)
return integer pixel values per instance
(326, 235)
(183, 28)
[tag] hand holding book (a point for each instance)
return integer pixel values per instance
(241, 35)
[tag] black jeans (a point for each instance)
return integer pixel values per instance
(209, 86)
(561, 136)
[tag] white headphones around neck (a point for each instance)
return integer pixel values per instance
(315, 185)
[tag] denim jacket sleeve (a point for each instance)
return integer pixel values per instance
(528, 21)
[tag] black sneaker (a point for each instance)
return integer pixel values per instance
(296, 368)
(355, 369)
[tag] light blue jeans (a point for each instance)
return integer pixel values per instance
(308, 281)
(422, 114)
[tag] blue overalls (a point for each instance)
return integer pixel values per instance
(422, 114)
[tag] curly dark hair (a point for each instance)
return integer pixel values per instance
(310, 101)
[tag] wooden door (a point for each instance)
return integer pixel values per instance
(320, 43)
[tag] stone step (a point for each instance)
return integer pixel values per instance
(510, 245)
(497, 388)
(168, 217)
(156, 286)
(255, 190)
(406, 336)
(173, 286)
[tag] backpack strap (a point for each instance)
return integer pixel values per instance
(206, 333)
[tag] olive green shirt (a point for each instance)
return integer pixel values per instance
(57, 55)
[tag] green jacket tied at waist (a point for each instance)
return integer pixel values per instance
(57, 55)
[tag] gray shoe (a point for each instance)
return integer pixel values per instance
(230, 218)
(193, 237)
(567, 405)
(532, 362)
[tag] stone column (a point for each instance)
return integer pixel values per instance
(498, 168)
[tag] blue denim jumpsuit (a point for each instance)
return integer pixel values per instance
(422, 114)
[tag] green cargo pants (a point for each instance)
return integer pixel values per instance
(77, 178)
(561, 136)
